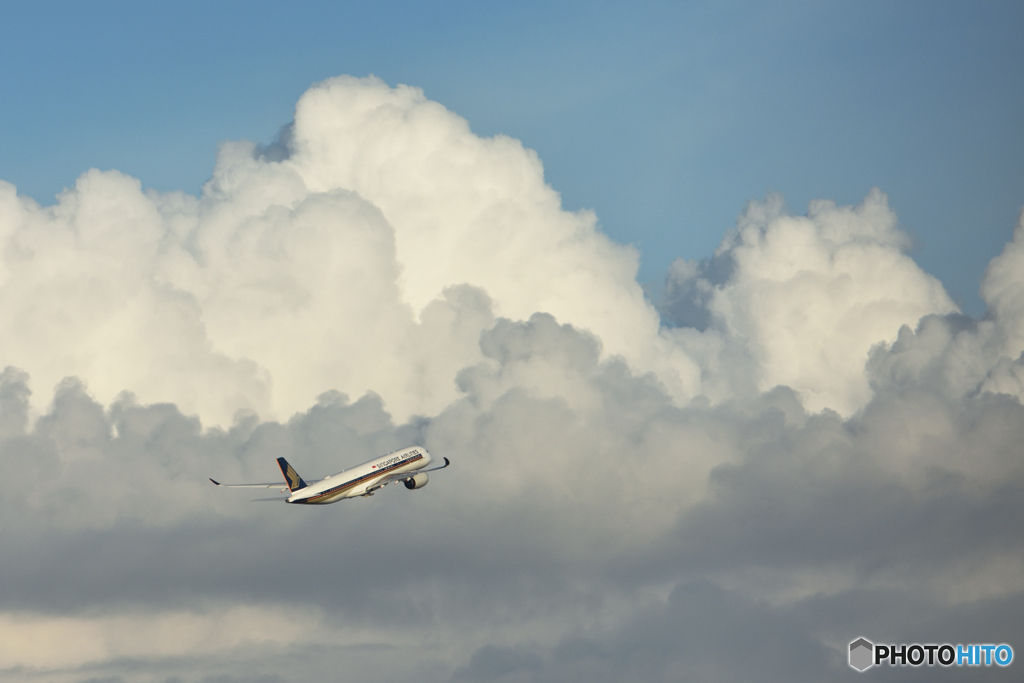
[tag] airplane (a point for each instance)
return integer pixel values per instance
(405, 465)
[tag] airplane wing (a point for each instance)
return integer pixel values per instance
(402, 476)
(275, 485)
(434, 469)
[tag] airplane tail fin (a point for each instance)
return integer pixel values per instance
(292, 477)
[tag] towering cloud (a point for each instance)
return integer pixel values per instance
(957, 356)
(813, 446)
(800, 300)
(317, 271)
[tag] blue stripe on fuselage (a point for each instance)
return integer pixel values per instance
(340, 488)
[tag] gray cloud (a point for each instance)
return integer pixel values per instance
(572, 537)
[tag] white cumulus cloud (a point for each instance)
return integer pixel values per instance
(799, 301)
(814, 446)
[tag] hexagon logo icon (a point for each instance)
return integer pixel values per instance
(861, 654)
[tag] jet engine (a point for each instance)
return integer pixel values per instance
(417, 482)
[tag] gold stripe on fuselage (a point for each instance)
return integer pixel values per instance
(341, 489)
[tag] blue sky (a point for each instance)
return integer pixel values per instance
(665, 118)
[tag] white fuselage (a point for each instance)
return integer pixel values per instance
(358, 480)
